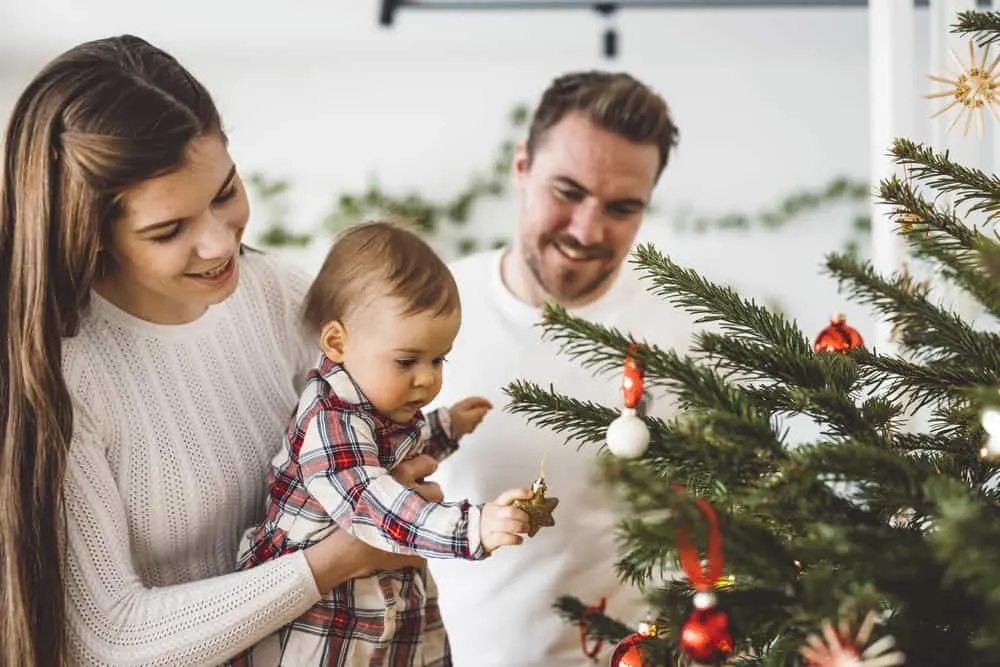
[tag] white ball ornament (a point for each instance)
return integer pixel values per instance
(628, 435)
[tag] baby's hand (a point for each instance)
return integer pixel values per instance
(466, 415)
(501, 524)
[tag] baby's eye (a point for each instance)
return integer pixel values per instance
(439, 361)
(406, 364)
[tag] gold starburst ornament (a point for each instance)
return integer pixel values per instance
(975, 87)
(838, 648)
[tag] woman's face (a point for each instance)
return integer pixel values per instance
(175, 249)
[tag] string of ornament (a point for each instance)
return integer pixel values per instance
(591, 651)
(705, 637)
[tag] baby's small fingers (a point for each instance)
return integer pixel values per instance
(509, 496)
(512, 526)
(505, 539)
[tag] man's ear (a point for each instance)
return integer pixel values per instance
(520, 164)
(333, 341)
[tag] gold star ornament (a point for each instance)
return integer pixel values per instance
(539, 508)
(975, 87)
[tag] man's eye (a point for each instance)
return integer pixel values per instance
(622, 211)
(569, 195)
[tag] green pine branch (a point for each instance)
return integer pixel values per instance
(749, 545)
(958, 250)
(918, 385)
(880, 477)
(931, 332)
(582, 421)
(930, 444)
(711, 303)
(603, 350)
(677, 449)
(923, 218)
(756, 362)
(966, 537)
(988, 254)
(969, 187)
(598, 626)
(789, 207)
(984, 26)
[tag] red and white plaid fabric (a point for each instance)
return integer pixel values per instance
(333, 473)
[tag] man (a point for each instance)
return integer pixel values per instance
(596, 147)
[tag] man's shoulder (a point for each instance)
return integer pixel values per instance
(475, 266)
(661, 321)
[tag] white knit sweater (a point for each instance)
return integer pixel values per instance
(173, 430)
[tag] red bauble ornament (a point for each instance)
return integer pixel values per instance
(629, 652)
(838, 337)
(705, 637)
(632, 382)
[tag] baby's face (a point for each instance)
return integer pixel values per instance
(398, 361)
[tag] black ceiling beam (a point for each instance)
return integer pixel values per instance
(389, 8)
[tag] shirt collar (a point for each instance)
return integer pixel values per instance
(346, 391)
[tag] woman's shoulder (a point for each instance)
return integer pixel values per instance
(268, 270)
(272, 290)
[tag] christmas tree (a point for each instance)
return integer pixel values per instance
(877, 532)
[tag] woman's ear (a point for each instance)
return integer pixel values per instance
(333, 341)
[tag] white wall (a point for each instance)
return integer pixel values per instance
(768, 102)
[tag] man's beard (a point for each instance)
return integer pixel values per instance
(564, 286)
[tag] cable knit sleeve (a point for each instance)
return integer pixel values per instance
(115, 619)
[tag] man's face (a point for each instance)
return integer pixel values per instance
(582, 200)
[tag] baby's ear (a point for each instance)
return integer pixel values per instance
(333, 341)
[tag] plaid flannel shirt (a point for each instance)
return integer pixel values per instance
(333, 473)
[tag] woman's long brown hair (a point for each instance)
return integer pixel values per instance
(98, 119)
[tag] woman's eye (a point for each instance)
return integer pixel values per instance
(227, 195)
(171, 233)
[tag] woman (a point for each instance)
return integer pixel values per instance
(148, 371)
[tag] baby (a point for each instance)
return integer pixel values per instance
(386, 311)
